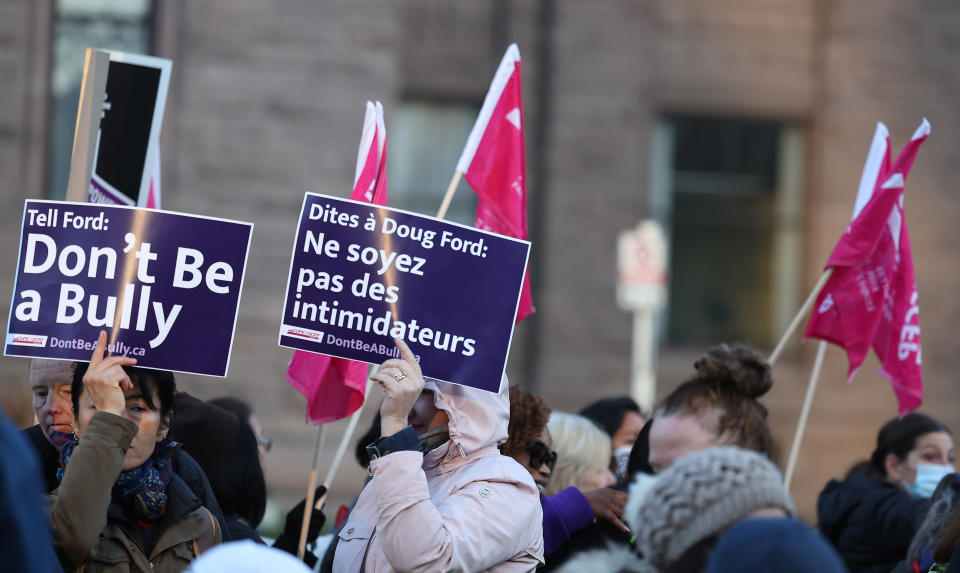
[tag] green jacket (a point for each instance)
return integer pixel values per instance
(92, 534)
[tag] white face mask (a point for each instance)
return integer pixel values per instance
(622, 455)
(928, 476)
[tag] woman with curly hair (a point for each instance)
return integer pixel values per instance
(569, 510)
(528, 440)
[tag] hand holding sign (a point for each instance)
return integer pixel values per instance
(105, 379)
(402, 381)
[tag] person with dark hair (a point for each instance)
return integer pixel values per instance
(240, 487)
(227, 446)
(716, 406)
(947, 545)
(360, 448)
(242, 410)
(50, 385)
(943, 503)
(119, 505)
(622, 419)
(872, 515)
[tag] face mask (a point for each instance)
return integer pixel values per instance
(928, 476)
(622, 455)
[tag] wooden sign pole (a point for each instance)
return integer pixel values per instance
(92, 92)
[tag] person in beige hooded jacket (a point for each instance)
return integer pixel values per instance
(461, 506)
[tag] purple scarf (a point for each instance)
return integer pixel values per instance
(144, 488)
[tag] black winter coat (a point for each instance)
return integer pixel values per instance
(870, 523)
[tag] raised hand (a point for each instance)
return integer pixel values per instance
(608, 504)
(402, 381)
(105, 379)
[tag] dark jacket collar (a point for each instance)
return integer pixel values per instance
(180, 501)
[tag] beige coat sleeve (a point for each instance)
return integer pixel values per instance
(79, 511)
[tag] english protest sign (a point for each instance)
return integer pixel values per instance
(165, 286)
(361, 275)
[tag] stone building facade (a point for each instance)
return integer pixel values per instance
(742, 126)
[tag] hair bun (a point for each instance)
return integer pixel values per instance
(736, 367)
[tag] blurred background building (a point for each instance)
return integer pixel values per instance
(742, 126)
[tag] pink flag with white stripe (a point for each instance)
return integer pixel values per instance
(871, 299)
(335, 387)
(493, 162)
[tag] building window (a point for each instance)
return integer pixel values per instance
(424, 142)
(730, 198)
(78, 24)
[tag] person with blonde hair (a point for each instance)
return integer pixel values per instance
(583, 454)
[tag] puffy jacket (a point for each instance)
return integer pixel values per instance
(94, 534)
(462, 507)
(870, 523)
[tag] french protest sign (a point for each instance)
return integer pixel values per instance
(362, 275)
(165, 286)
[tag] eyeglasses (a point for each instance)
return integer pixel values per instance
(540, 454)
(266, 443)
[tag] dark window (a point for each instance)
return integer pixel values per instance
(424, 142)
(108, 24)
(729, 208)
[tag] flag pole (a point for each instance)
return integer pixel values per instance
(448, 196)
(305, 525)
(801, 314)
(804, 414)
(342, 448)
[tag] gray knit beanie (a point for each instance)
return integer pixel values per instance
(698, 496)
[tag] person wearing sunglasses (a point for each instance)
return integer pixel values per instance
(569, 510)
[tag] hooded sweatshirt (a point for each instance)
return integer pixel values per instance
(462, 507)
(870, 523)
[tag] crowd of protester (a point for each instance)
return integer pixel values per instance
(124, 473)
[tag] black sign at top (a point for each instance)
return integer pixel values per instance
(128, 112)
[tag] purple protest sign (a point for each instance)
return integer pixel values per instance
(165, 286)
(361, 275)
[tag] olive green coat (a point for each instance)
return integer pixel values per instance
(92, 534)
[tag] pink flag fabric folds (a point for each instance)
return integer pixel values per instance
(335, 387)
(493, 162)
(871, 300)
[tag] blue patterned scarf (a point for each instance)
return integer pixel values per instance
(143, 488)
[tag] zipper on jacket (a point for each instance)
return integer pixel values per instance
(460, 447)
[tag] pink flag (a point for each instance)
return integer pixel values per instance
(153, 198)
(493, 162)
(871, 299)
(335, 387)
